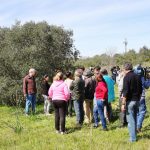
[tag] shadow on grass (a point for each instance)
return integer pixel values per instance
(144, 136)
(147, 128)
(73, 129)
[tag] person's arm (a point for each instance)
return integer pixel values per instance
(104, 89)
(24, 87)
(125, 93)
(75, 85)
(50, 92)
(66, 92)
(72, 85)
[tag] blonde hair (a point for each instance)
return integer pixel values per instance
(58, 76)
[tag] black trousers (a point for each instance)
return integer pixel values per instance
(60, 114)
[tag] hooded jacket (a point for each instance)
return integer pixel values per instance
(59, 91)
(77, 89)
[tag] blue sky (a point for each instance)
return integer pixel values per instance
(99, 26)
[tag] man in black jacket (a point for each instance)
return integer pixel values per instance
(132, 90)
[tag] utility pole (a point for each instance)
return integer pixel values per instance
(125, 42)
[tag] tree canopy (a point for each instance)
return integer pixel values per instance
(39, 45)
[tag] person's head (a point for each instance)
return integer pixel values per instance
(97, 70)
(68, 75)
(46, 77)
(59, 76)
(128, 67)
(88, 73)
(81, 68)
(104, 72)
(118, 68)
(78, 73)
(100, 78)
(32, 72)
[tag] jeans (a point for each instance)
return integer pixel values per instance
(100, 105)
(60, 114)
(78, 106)
(141, 113)
(95, 115)
(132, 109)
(47, 104)
(30, 101)
(88, 109)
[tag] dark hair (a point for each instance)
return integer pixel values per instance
(100, 76)
(81, 67)
(128, 66)
(45, 76)
(98, 68)
(68, 74)
(104, 72)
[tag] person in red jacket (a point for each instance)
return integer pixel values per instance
(101, 92)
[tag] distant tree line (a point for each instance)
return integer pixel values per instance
(109, 60)
(39, 45)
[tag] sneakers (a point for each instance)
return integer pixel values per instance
(95, 126)
(60, 132)
(57, 132)
(47, 114)
(26, 115)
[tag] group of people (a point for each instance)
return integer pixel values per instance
(91, 93)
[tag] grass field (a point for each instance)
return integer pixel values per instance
(18, 132)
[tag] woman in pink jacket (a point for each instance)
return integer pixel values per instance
(60, 95)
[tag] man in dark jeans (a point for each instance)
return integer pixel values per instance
(29, 90)
(132, 90)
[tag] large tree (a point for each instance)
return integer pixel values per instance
(40, 45)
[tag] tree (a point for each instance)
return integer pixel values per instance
(38, 45)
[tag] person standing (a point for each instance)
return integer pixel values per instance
(111, 93)
(77, 90)
(69, 81)
(95, 109)
(122, 115)
(30, 90)
(60, 95)
(132, 90)
(45, 87)
(142, 105)
(89, 95)
(101, 93)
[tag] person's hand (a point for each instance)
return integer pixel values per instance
(49, 99)
(25, 95)
(123, 108)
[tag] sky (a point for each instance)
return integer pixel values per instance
(99, 26)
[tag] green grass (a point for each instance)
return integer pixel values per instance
(18, 132)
